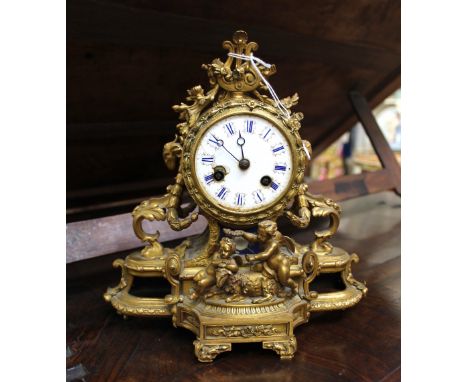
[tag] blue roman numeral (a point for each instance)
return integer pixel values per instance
(209, 178)
(249, 128)
(240, 199)
(222, 193)
(215, 142)
(279, 148)
(268, 132)
(280, 168)
(208, 159)
(259, 196)
(229, 128)
(274, 186)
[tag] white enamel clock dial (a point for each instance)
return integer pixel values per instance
(243, 163)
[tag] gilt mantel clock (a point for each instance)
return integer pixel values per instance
(240, 162)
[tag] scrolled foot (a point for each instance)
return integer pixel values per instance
(208, 352)
(285, 349)
(125, 282)
(348, 277)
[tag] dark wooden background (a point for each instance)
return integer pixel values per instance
(129, 61)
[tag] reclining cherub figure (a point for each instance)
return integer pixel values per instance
(221, 264)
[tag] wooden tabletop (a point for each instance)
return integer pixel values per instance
(359, 344)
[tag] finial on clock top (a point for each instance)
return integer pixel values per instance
(237, 74)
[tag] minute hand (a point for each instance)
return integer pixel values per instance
(220, 142)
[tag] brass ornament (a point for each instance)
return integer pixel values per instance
(221, 293)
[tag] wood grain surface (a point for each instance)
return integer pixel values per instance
(359, 344)
(96, 237)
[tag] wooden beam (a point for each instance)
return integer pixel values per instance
(97, 237)
(352, 186)
(377, 138)
(375, 97)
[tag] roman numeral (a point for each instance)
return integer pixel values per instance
(259, 196)
(208, 159)
(249, 126)
(280, 168)
(222, 193)
(240, 199)
(274, 186)
(229, 128)
(209, 178)
(279, 148)
(266, 134)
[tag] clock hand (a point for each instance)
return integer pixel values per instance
(240, 142)
(220, 142)
(244, 164)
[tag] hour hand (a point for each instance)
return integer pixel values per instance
(244, 164)
(240, 142)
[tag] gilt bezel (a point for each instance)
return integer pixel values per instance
(208, 204)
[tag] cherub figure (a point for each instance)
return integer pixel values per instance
(274, 262)
(221, 264)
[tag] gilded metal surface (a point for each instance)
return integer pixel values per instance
(210, 206)
(222, 295)
(235, 75)
(285, 349)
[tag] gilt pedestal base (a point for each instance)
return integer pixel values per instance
(218, 325)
